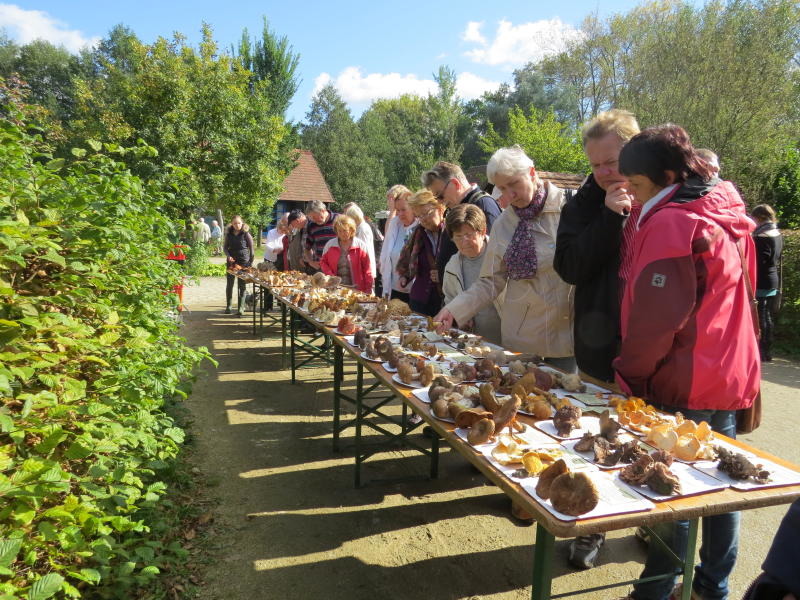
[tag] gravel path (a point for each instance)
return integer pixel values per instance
(291, 525)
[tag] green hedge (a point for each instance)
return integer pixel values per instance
(788, 327)
(89, 360)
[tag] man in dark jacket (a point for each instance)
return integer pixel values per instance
(447, 182)
(594, 241)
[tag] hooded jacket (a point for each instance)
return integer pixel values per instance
(688, 338)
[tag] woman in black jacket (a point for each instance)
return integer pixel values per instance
(769, 245)
(238, 248)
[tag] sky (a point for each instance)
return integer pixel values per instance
(367, 49)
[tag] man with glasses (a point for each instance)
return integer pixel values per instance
(447, 182)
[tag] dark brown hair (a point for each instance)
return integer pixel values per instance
(659, 149)
(465, 214)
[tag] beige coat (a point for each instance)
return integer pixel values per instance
(536, 314)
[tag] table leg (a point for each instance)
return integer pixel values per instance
(283, 335)
(255, 307)
(688, 562)
(338, 370)
(292, 333)
(542, 564)
(359, 416)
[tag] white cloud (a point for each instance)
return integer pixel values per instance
(473, 33)
(25, 26)
(355, 87)
(516, 45)
(470, 86)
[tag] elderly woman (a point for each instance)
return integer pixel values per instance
(417, 262)
(398, 230)
(535, 303)
(347, 257)
(688, 336)
(363, 231)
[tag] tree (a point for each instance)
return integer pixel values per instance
(395, 133)
(199, 109)
(271, 59)
(553, 146)
(447, 122)
(351, 171)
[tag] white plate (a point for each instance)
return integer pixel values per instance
(588, 424)
(365, 357)
(422, 394)
(445, 419)
(389, 367)
(589, 455)
(615, 497)
(413, 384)
(693, 482)
(779, 475)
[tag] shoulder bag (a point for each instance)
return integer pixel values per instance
(748, 419)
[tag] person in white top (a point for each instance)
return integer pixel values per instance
(398, 230)
(363, 231)
(274, 244)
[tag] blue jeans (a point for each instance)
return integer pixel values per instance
(720, 537)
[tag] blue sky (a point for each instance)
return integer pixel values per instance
(367, 49)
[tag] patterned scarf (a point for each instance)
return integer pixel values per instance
(520, 258)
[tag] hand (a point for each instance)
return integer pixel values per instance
(618, 198)
(403, 282)
(468, 325)
(390, 202)
(434, 275)
(314, 264)
(230, 260)
(444, 321)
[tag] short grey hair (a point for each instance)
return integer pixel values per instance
(509, 162)
(315, 206)
(353, 210)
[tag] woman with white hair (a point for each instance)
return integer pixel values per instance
(363, 230)
(535, 303)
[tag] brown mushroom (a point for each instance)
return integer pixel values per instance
(481, 432)
(548, 476)
(573, 494)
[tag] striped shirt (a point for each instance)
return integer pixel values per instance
(316, 236)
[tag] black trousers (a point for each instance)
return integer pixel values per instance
(430, 308)
(766, 321)
(229, 288)
(400, 296)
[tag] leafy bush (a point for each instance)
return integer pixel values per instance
(89, 359)
(213, 270)
(196, 259)
(788, 329)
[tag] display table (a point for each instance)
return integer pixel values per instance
(548, 526)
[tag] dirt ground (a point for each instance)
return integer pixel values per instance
(290, 523)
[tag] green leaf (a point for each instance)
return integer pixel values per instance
(55, 165)
(9, 330)
(54, 257)
(22, 218)
(8, 551)
(45, 587)
(94, 145)
(79, 152)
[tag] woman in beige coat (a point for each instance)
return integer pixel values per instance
(536, 304)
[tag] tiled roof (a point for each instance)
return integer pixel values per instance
(305, 182)
(563, 180)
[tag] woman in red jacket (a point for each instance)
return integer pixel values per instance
(688, 336)
(347, 256)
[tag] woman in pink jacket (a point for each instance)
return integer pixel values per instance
(347, 256)
(688, 336)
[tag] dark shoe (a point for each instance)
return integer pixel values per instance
(583, 550)
(228, 309)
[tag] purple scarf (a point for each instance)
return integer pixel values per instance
(520, 258)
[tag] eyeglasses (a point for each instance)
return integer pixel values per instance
(427, 214)
(440, 195)
(460, 237)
